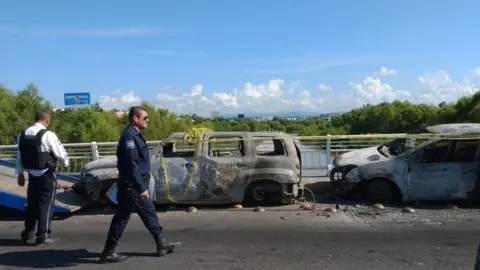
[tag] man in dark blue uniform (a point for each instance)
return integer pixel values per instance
(133, 166)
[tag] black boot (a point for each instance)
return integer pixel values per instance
(112, 258)
(164, 247)
(109, 255)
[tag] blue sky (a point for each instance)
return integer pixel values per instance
(159, 50)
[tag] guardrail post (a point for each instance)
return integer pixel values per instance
(94, 147)
(329, 152)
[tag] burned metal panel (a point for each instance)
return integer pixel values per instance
(281, 163)
(457, 128)
(176, 136)
(178, 175)
(282, 169)
(468, 181)
(102, 174)
(442, 181)
(428, 181)
(99, 165)
(392, 170)
(223, 176)
(177, 170)
(381, 169)
(224, 179)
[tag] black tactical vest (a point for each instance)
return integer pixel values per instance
(31, 153)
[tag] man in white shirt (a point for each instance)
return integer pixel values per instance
(38, 152)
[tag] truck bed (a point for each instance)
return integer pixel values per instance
(15, 197)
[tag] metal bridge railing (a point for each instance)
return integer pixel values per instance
(317, 155)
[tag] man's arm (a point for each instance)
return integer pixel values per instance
(58, 150)
(131, 161)
(19, 167)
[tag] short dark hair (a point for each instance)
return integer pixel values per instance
(135, 111)
(41, 116)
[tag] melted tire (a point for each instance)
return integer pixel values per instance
(379, 191)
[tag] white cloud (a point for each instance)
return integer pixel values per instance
(293, 86)
(324, 88)
(276, 95)
(476, 71)
(119, 100)
(438, 87)
(385, 71)
(267, 97)
(373, 91)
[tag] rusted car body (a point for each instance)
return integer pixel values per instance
(437, 170)
(342, 164)
(254, 166)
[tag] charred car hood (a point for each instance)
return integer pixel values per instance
(359, 157)
(376, 168)
(103, 163)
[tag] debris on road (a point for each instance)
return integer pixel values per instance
(408, 210)
(452, 207)
(258, 209)
(191, 210)
(330, 209)
(307, 206)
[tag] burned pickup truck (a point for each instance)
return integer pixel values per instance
(440, 169)
(251, 166)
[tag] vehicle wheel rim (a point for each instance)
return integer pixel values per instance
(258, 193)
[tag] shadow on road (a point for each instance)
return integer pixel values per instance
(47, 258)
(53, 258)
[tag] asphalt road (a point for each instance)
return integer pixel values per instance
(253, 240)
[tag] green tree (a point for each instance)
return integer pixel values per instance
(93, 123)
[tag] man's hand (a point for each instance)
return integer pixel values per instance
(144, 196)
(21, 180)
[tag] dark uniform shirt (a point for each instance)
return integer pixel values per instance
(133, 161)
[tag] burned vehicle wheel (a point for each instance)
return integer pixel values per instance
(381, 191)
(263, 192)
(258, 193)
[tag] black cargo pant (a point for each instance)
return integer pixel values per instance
(41, 192)
(128, 201)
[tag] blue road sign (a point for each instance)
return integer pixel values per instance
(77, 98)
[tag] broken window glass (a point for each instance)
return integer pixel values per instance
(436, 152)
(270, 147)
(465, 151)
(235, 148)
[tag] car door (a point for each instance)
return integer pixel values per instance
(465, 169)
(226, 167)
(427, 174)
(175, 173)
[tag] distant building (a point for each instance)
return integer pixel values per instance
(120, 113)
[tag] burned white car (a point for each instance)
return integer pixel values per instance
(439, 169)
(342, 164)
(256, 166)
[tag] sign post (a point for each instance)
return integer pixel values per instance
(77, 99)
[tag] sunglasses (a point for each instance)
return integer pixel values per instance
(143, 118)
